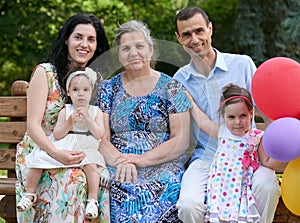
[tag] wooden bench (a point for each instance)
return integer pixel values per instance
(12, 129)
(13, 109)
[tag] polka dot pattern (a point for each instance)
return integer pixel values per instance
(229, 195)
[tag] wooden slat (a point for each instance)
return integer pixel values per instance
(13, 106)
(281, 167)
(8, 209)
(260, 125)
(12, 132)
(7, 186)
(7, 159)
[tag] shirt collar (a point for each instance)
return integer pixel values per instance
(220, 64)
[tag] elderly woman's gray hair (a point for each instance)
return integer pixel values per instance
(136, 26)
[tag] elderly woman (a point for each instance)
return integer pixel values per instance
(146, 116)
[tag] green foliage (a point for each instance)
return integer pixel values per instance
(29, 27)
(26, 36)
(159, 15)
(261, 29)
(266, 29)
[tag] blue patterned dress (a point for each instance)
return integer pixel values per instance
(139, 124)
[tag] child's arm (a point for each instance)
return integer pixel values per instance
(96, 126)
(62, 126)
(202, 120)
(265, 159)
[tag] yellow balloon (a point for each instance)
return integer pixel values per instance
(290, 186)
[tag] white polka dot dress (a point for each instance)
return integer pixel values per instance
(229, 194)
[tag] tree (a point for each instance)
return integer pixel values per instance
(268, 28)
(261, 29)
(29, 27)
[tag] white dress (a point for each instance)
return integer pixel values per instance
(76, 141)
(229, 193)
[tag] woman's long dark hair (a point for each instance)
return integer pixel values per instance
(59, 50)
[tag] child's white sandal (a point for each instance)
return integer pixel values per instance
(25, 203)
(91, 209)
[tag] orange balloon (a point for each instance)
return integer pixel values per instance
(290, 186)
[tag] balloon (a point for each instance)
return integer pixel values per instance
(281, 139)
(290, 186)
(276, 88)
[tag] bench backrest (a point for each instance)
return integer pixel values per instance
(13, 111)
(14, 108)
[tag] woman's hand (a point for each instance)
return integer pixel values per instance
(126, 172)
(68, 157)
(129, 158)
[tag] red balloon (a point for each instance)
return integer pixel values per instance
(276, 88)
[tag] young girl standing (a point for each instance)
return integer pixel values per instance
(79, 128)
(239, 153)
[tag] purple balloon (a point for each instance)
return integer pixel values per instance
(281, 140)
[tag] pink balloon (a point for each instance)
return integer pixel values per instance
(281, 139)
(276, 88)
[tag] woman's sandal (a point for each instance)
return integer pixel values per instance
(25, 203)
(91, 209)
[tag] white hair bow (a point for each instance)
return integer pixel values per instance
(88, 72)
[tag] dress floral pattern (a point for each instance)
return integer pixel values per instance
(62, 192)
(139, 124)
(230, 197)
